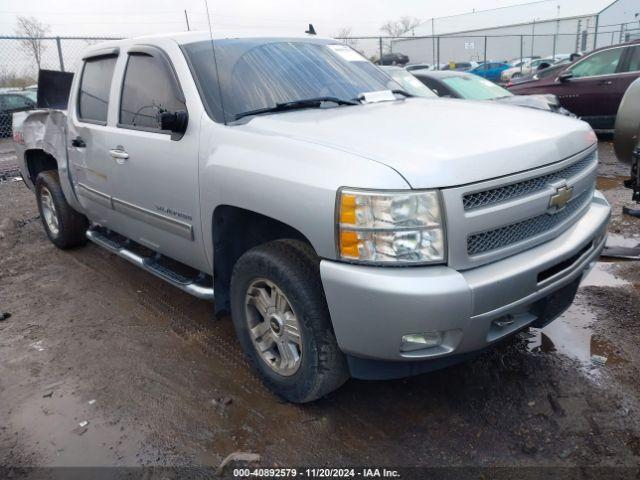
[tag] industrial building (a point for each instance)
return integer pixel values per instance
(541, 28)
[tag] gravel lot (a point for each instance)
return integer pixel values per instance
(93, 339)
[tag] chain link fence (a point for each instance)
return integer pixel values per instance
(22, 57)
(439, 50)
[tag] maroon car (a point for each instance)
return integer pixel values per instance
(592, 86)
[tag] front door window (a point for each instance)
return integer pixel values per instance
(601, 63)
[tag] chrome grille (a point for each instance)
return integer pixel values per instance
(508, 192)
(526, 229)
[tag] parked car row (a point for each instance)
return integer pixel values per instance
(527, 67)
(590, 86)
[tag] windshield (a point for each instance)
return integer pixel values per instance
(410, 83)
(261, 73)
(472, 87)
(30, 95)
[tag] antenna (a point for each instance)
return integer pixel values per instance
(215, 61)
(311, 31)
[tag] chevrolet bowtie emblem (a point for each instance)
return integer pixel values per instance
(560, 199)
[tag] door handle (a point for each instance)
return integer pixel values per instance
(78, 142)
(119, 154)
(605, 82)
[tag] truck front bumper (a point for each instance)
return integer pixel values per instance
(373, 308)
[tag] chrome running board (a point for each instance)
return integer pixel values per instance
(193, 286)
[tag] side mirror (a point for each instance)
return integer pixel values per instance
(175, 122)
(565, 77)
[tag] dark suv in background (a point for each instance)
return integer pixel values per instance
(592, 86)
(393, 58)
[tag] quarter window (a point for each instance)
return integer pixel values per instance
(148, 90)
(634, 60)
(601, 63)
(93, 99)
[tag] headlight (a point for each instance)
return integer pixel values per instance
(390, 227)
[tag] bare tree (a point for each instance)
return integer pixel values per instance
(344, 34)
(14, 80)
(33, 30)
(397, 28)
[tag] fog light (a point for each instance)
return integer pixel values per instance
(419, 341)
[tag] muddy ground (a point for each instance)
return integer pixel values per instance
(93, 339)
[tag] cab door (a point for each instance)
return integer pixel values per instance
(89, 161)
(156, 190)
(592, 91)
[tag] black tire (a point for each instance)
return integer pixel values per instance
(72, 225)
(295, 268)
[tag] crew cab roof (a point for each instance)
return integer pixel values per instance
(182, 38)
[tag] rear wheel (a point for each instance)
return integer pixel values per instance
(64, 226)
(282, 321)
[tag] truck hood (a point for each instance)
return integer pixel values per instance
(436, 142)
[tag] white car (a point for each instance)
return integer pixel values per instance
(529, 66)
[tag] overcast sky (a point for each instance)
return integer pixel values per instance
(130, 18)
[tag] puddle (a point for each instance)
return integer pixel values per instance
(569, 335)
(610, 183)
(572, 335)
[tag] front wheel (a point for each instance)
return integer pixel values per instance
(282, 321)
(65, 227)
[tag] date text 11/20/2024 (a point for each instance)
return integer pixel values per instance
(316, 473)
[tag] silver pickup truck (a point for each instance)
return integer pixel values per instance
(349, 228)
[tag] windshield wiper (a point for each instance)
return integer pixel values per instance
(402, 92)
(295, 104)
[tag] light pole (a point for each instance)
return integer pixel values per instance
(533, 35)
(555, 37)
(433, 41)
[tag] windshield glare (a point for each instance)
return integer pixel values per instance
(259, 73)
(472, 87)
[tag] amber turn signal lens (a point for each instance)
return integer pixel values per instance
(348, 209)
(349, 244)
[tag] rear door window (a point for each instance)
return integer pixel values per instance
(147, 91)
(93, 97)
(634, 59)
(601, 63)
